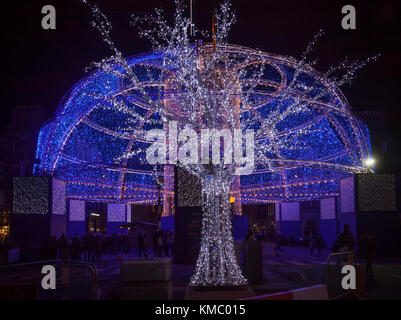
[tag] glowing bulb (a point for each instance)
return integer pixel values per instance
(369, 162)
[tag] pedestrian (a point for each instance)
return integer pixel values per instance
(320, 244)
(125, 244)
(91, 247)
(69, 247)
(154, 242)
(76, 248)
(107, 245)
(98, 248)
(114, 243)
(159, 243)
(63, 249)
(345, 240)
(120, 243)
(276, 237)
(367, 247)
(85, 247)
(141, 245)
(312, 242)
(165, 244)
(170, 243)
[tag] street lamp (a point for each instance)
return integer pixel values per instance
(159, 184)
(369, 162)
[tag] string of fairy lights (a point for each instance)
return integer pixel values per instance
(306, 137)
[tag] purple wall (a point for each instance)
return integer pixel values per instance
(328, 230)
(168, 223)
(76, 227)
(291, 229)
(240, 227)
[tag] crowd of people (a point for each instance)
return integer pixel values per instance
(315, 241)
(163, 243)
(264, 236)
(92, 246)
(89, 247)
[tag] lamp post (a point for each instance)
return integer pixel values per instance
(159, 184)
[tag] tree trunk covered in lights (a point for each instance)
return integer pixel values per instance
(217, 264)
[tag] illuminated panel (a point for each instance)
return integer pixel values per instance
(129, 210)
(31, 195)
(328, 208)
(376, 192)
(77, 210)
(116, 212)
(347, 197)
(58, 197)
(290, 211)
(168, 187)
(277, 211)
(188, 189)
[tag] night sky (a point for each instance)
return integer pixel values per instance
(40, 66)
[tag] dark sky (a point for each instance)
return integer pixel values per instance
(39, 66)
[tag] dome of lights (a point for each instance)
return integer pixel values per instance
(81, 143)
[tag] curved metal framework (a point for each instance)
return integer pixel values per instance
(80, 144)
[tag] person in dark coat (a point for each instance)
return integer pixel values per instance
(76, 248)
(85, 247)
(69, 246)
(154, 242)
(141, 245)
(367, 247)
(114, 243)
(63, 248)
(345, 241)
(98, 248)
(159, 243)
(170, 242)
(320, 244)
(125, 243)
(165, 244)
(312, 242)
(120, 243)
(91, 247)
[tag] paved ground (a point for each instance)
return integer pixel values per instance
(293, 268)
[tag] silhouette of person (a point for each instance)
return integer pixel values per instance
(367, 247)
(141, 244)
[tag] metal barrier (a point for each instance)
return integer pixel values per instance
(334, 284)
(270, 248)
(75, 280)
(350, 256)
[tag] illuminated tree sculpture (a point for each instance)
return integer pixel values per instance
(215, 89)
